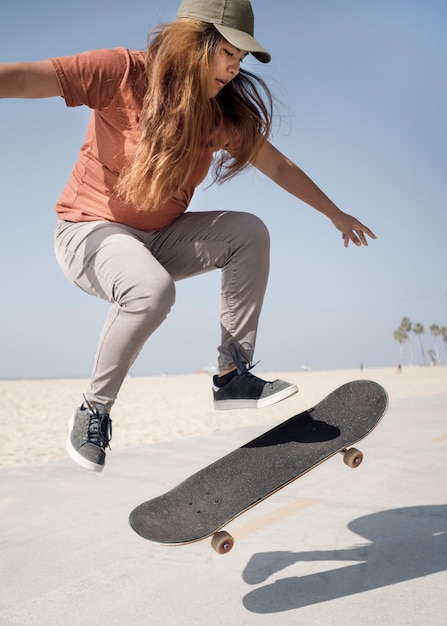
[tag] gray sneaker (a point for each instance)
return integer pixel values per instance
(89, 433)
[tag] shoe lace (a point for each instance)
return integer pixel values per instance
(239, 356)
(100, 427)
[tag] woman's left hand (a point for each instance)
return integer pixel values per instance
(352, 230)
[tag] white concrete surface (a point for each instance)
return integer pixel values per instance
(338, 547)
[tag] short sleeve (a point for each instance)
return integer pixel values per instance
(91, 78)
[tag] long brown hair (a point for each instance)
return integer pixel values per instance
(179, 119)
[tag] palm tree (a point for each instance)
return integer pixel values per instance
(405, 324)
(405, 327)
(401, 337)
(434, 332)
(443, 330)
(432, 356)
(418, 330)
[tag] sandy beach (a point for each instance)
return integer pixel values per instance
(34, 413)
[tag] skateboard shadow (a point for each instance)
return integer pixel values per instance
(405, 544)
(300, 428)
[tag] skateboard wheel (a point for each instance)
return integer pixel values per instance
(352, 457)
(222, 542)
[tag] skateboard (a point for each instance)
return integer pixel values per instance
(204, 503)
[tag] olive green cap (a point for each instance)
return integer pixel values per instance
(233, 19)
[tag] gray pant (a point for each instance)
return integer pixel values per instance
(136, 272)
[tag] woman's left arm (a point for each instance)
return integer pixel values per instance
(290, 177)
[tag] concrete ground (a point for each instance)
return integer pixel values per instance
(337, 547)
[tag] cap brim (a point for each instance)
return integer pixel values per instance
(244, 41)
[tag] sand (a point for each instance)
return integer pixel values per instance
(34, 414)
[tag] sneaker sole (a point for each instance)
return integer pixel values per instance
(222, 405)
(74, 454)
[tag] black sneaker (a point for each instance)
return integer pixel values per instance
(246, 391)
(89, 433)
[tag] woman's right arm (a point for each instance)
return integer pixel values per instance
(36, 79)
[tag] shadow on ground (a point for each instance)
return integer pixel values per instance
(403, 544)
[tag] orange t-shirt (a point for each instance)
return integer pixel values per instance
(112, 83)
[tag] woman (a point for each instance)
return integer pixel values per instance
(160, 120)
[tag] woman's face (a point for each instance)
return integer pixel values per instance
(224, 67)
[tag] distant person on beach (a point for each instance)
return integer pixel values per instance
(160, 120)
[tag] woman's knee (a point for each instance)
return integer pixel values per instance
(150, 296)
(253, 233)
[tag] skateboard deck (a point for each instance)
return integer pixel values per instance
(208, 500)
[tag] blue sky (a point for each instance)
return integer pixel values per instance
(363, 100)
